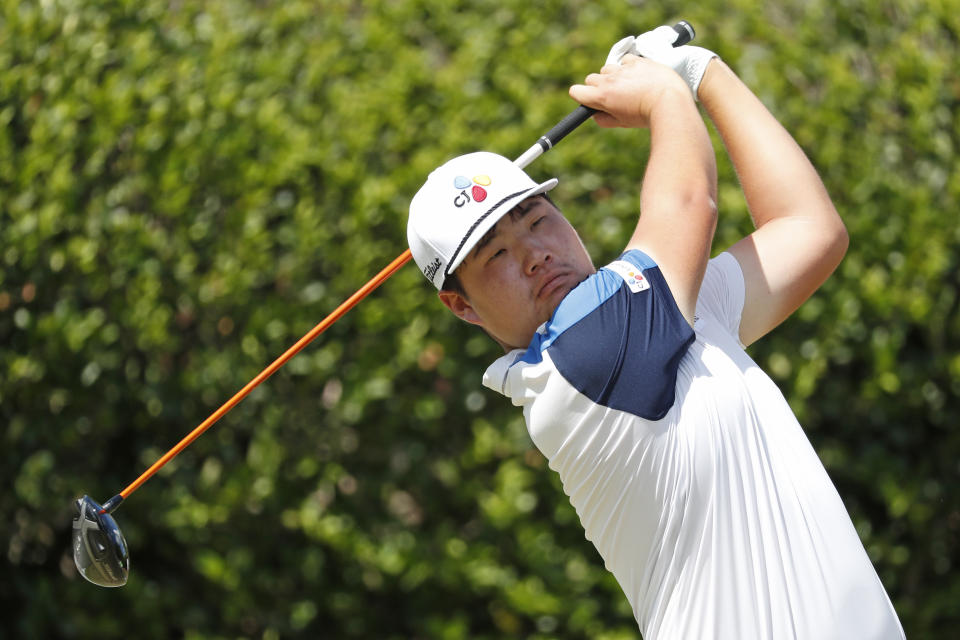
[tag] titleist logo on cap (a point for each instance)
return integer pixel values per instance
(431, 269)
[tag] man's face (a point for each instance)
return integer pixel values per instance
(519, 272)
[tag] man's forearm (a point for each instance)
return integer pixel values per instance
(777, 178)
(800, 238)
(678, 197)
(678, 208)
(682, 164)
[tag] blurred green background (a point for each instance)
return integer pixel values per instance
(186, 188)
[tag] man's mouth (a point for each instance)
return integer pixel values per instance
(553, 282)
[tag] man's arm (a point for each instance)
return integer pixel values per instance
(800, 239)
(678, 195)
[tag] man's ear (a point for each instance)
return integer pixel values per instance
(460, 306)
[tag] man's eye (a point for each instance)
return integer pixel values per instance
(497, 253)
(538, 221)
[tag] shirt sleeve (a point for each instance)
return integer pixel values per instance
(722, 294)
(618, 338)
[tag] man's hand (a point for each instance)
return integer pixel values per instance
(688, 61)
(626, 93)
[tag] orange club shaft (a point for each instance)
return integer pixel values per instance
(322, 326)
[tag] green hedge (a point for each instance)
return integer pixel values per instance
(187, 188)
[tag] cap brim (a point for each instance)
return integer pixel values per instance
(492, 217)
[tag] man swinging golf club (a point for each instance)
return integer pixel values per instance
(686, 466)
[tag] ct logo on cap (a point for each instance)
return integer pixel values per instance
(477, 192)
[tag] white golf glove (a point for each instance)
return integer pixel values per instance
(657, 45)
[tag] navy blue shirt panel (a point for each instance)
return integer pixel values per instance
(625, 353)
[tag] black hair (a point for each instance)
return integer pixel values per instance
(452, 283)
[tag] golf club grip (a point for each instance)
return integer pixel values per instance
(581, 114)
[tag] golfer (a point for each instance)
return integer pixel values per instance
(687, 468)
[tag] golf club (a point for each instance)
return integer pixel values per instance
(99, 549)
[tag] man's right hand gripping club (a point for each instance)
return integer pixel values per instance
(678, 193)
(690, 62)
(627, 92)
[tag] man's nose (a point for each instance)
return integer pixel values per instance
(537, 257)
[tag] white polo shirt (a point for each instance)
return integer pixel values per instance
(687, 468)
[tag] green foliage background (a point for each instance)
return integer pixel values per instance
(187, 188)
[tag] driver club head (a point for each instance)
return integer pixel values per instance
(99, 549)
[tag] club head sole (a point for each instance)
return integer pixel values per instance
(99, 548)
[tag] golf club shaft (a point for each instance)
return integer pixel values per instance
(558, 132)
(361, 293)
(581, 114)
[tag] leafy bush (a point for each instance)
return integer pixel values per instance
(187, 188)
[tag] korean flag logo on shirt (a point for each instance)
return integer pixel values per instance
(632, 275)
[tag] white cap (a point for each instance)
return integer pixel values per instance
(458, 204)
